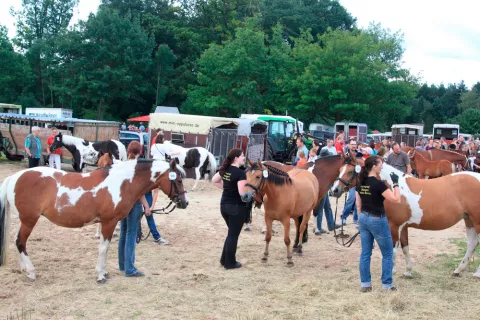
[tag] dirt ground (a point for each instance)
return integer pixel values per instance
(184, 279)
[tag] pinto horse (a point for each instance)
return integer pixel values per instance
(285, 196)
(74, 200)
(325, 170)
(430, 169)
(197, 157)
(85, 152)
(420, 209)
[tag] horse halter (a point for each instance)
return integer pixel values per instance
(261, 184)
(354, 176)
(172, 176)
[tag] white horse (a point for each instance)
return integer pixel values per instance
(197, 157)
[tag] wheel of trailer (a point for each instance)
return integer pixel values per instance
(269, 156)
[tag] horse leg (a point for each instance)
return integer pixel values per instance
(268, 237)
(286, 239)
(472, 243)
(303, 229)
(260, 212)
(406, 253)
(21, 242)
(394, 232)
(99, 227)
(105, 239)
(297, 234)
(197, 177)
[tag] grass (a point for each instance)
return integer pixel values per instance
(450, 262)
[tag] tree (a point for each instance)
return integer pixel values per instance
(15, 74)
(470, 99)
(349, 76)
(469, 121)
(39, 22)
(238, 76)
(108, 67)
(164, 59)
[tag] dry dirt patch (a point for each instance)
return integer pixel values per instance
(185, 281)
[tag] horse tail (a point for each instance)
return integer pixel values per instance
(213, 165)
(4, 222)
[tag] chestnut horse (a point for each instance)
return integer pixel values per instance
(74, 200)
(285, 196)
(325, 170)
(420, 207)
(430, 169)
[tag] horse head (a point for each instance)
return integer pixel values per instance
(172, 180)
(57, 142)
(258, 175)
(105, 159)
(349, 172)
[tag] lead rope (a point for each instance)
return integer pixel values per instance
(342, 235)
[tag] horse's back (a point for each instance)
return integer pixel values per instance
(304, 180)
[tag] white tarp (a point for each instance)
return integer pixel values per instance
(245, 126)
(187, 123)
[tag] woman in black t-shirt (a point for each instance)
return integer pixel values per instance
(373, 224)
(234, 211)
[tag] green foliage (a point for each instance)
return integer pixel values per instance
(469, 121)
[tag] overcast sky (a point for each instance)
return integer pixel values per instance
(442, 38)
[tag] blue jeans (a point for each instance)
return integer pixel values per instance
(127, 239)
(350, 205)
(325, 206)
(373, 228)
(150, 220)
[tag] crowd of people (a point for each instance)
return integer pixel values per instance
(132, 127)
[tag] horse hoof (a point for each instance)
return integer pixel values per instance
(102, 281)
(456, 274)
(290, 264)
(407, 275)
(295, 249)
(106, 275)
(264, 259)
(300, 253)
(31, 276)
(97, 236)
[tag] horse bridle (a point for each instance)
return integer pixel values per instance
(260, 185)
(355, 175)
(176, 197)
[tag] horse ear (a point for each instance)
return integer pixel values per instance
(100, 154)
(259, 164)
(173, 164)
(250, 162)
(110, 154)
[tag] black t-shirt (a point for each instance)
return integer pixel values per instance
(230, 179)
(371, 194)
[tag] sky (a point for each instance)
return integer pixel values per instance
(441, 38)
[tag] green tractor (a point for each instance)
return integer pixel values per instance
(282, 135)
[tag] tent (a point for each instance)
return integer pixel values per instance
(140, 119)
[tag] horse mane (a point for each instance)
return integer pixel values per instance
(151, 161)
(276, 176)
(71, 140)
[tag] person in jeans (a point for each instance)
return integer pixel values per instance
(373, 224)
(350, 203)
(324, 205)
(33, 148)
(234, 211)
(129, 225)
(54, 159)
(157, 238)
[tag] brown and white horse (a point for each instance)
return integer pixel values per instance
(285, 196)
(74, 200)
(422, 207)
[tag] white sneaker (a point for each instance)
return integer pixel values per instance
(161, 240)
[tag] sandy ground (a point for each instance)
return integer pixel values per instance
(184, 279)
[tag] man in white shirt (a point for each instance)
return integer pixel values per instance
(328, 148)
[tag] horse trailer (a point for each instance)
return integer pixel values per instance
(449, 131)
(16, 127)
(352, 130)
(408, 133)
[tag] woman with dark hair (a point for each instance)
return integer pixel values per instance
(316, 146)
(129, 225)
(373, 224)
(231, 179)
(372, 145)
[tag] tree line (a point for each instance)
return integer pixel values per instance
(221, 57)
